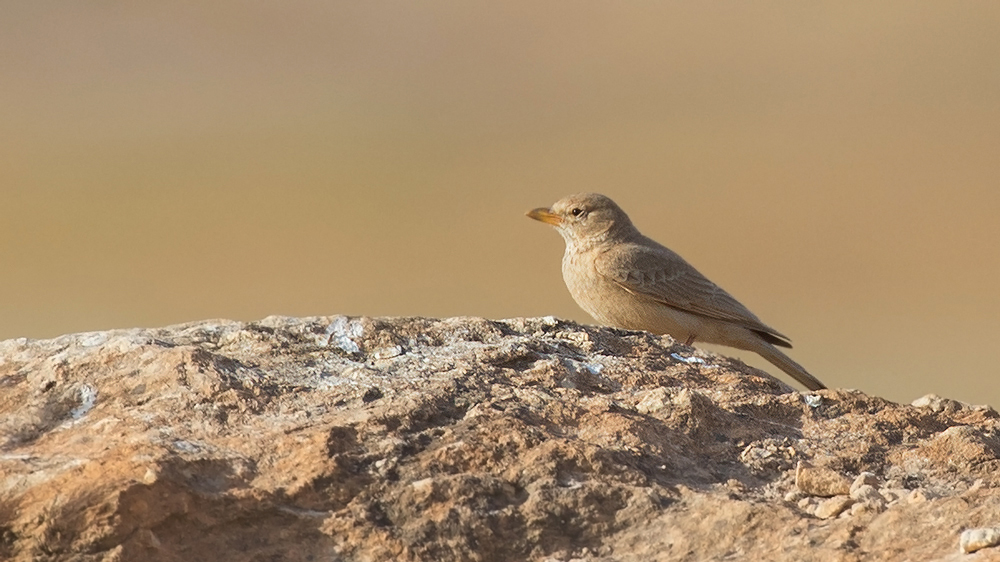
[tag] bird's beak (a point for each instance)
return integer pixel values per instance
(546, 216)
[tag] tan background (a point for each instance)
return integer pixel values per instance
(834, 165)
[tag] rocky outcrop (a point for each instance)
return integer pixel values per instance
(467, 439)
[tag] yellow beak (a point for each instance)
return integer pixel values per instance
(545, 215)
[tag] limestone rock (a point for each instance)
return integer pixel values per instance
(864, 479)
(412, 439)
(820, 481)
(866, 493)
(978, 539)
(936, 403)
(832, 507)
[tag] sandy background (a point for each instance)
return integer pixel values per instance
(835, 166)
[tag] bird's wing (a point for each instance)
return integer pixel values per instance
(658, 273)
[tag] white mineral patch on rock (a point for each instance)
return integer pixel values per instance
(343, 331)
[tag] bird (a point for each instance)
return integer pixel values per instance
(626, 280)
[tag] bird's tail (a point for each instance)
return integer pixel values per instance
(785, 363)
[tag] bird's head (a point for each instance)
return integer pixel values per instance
(585, 218)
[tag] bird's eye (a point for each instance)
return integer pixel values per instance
(577, 212)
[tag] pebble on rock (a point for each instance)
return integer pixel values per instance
(864, 507)
(976, 539)
(833, 507)
(817, 481)
(937, 404)
(865, 478)
(894, 494)
(867, 493)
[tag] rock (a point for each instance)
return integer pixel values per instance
(866, 493)
(894, 494)
(794, 496)
(978, 539)
(832, 507)
(935, 403)
(921, 495)
(866, 507)
(412, 439)
(974, 487)
(961, 445)
(818, 481)
(654, 401)
(769, 455)
(864, 479)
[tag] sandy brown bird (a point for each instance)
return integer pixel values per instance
(627, 280)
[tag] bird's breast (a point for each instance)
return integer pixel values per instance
(597, 295)
(612, 305)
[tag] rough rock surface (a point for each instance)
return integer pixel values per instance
(412, 439)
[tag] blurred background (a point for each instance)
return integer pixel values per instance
(834, 165)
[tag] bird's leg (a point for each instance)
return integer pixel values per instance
(690, 340)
